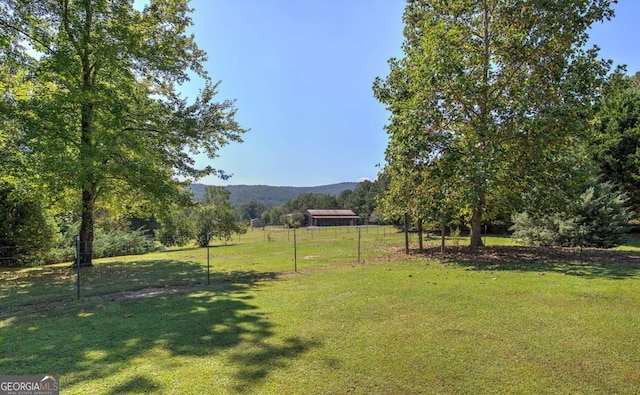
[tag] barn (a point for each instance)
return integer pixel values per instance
(330, 218)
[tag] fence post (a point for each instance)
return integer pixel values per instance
(78, 265)
(359, 244)
(295, 252)
(208, 270)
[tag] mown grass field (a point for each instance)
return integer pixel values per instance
(501, 320)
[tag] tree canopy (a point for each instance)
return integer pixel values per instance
(215, 217)
(92, 94)
(489, 106)
(615, 142)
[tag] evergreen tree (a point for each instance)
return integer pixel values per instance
(596, 219)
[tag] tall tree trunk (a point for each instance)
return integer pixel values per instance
(88, 184)
(476, 228)
(86, 228)
(406, 233)
(485, 115)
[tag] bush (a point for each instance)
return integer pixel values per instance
(596, 219)
(117, 242)
(106, 243)
(27, 233)
(177, 227)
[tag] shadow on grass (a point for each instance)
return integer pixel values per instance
(105, 338)
(589, 262)
(137, 385)
(22, 289)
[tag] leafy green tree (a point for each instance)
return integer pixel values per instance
(177, 226)
(596, 219)
(102, 116)
(486, 102)
(293, 220)
(27, 232)
(250, 210)
(306, 201)
(215, 217)
(615, 142)
(344, 198)
(363, 199)
(274, 215)
(266, 217)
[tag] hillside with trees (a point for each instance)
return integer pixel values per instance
(271, 196)
(362, 200)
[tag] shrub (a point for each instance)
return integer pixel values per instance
(118, 242)
(106, 243)
(596, 219)
(177, 227)
(26, 231)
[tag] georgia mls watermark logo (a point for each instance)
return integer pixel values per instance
(29, 385)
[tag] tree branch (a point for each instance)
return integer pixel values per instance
(8, 25)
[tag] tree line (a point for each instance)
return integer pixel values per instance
(271, 196)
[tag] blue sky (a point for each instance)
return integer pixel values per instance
(301, 73)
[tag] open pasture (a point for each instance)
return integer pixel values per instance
(505, 320)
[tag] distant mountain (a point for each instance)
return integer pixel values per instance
(272, 196)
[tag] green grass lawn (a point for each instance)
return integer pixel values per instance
(513, 321)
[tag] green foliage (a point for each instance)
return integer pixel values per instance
(177, 227)
(488, 106)
(293, 220)
(306, 201)
(596, 219)
(363, 199)
(27, 232)
(102, 116)
(215, 217)
(292, 212)
(250, 210)
(112, 238)
(118, 242)
(615, 142)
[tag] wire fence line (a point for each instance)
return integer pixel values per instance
(257, 253)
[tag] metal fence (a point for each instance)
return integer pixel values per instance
(268, 251)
